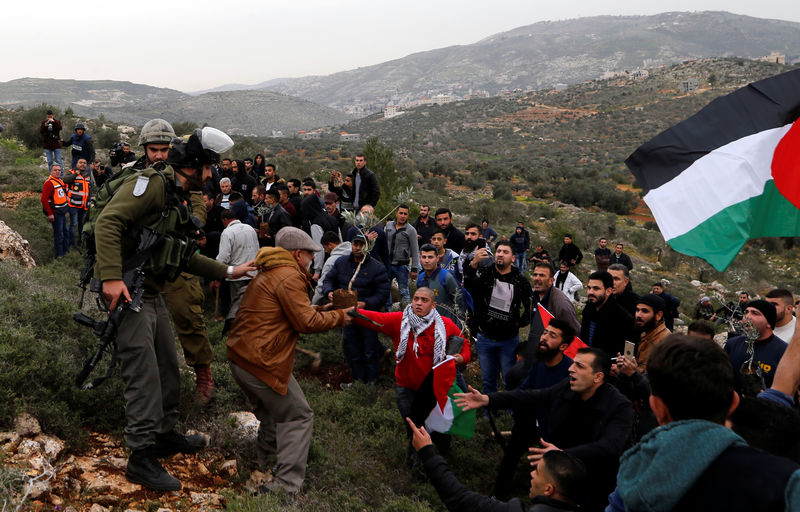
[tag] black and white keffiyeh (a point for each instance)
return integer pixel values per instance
(413, 323)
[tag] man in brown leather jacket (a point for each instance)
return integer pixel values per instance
(261, 346)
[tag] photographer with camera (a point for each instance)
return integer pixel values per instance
(100, 172)
(121, 154)
(51, 139)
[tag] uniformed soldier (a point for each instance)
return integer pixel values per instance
(184, 295)
(156, 198)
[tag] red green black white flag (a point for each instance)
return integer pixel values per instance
(729, 173)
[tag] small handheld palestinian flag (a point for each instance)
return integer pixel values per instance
(446, 416)
(574, 345)
(729, 173)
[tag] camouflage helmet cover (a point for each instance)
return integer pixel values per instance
(158, 131)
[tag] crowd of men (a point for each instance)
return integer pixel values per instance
(595, 397)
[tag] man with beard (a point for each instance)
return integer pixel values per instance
(502, 298)
(649, 321)
(261, 349)
(242, 182)
(784, 322)
(671, 304)
(455, 238)
(471, 241)
(425, 225)
(602, 255)
(605, 324)
(550, 367)
(554, 301)
(586, 417)
(361, 347)
(623, 291)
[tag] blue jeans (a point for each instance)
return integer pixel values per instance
(401, 273)
(521, 260)
(53, 154)
(362, 351)
(76, 216)
(495, 356)
(60, 234)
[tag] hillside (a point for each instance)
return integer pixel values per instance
(568, 144)
(237, 112)
(543, 54)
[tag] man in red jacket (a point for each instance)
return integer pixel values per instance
(55, 206)
(419, 335)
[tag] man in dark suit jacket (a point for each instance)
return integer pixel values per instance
(587, 418)
(605, 324)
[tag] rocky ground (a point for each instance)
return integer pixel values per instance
(94, 480)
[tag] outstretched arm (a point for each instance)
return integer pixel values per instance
(453, 493)
(472, 399)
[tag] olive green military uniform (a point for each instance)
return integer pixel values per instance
(145, 343)
(185, 300)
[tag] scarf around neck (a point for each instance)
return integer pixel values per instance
(413, 323)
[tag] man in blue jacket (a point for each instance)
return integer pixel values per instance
(81, 144)
(362, 350)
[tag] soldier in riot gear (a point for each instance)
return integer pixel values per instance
(156, 198)
(185, 294)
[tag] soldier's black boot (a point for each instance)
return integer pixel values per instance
(172, 442)
(144, 469)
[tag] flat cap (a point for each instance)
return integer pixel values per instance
(291, 239)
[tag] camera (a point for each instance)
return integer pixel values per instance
(116, 153)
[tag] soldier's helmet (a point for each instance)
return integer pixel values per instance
(201, 148)
(156, 131)
(80, 126)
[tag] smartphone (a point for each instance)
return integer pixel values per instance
(481, 243)
(630, 348)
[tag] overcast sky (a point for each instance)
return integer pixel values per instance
(201, 44)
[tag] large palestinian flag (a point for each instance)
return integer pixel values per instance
(729, 173)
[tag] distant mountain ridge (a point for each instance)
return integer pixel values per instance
(546, 53)
(237, 112)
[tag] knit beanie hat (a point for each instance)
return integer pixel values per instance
(766, 308)
(654, 301)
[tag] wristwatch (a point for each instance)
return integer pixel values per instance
(229, 272)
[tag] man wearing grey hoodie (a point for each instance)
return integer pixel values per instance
(334, 247)
(403, 251)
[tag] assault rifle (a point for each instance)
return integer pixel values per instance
(106, 330)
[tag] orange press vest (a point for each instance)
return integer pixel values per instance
(78, 192)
